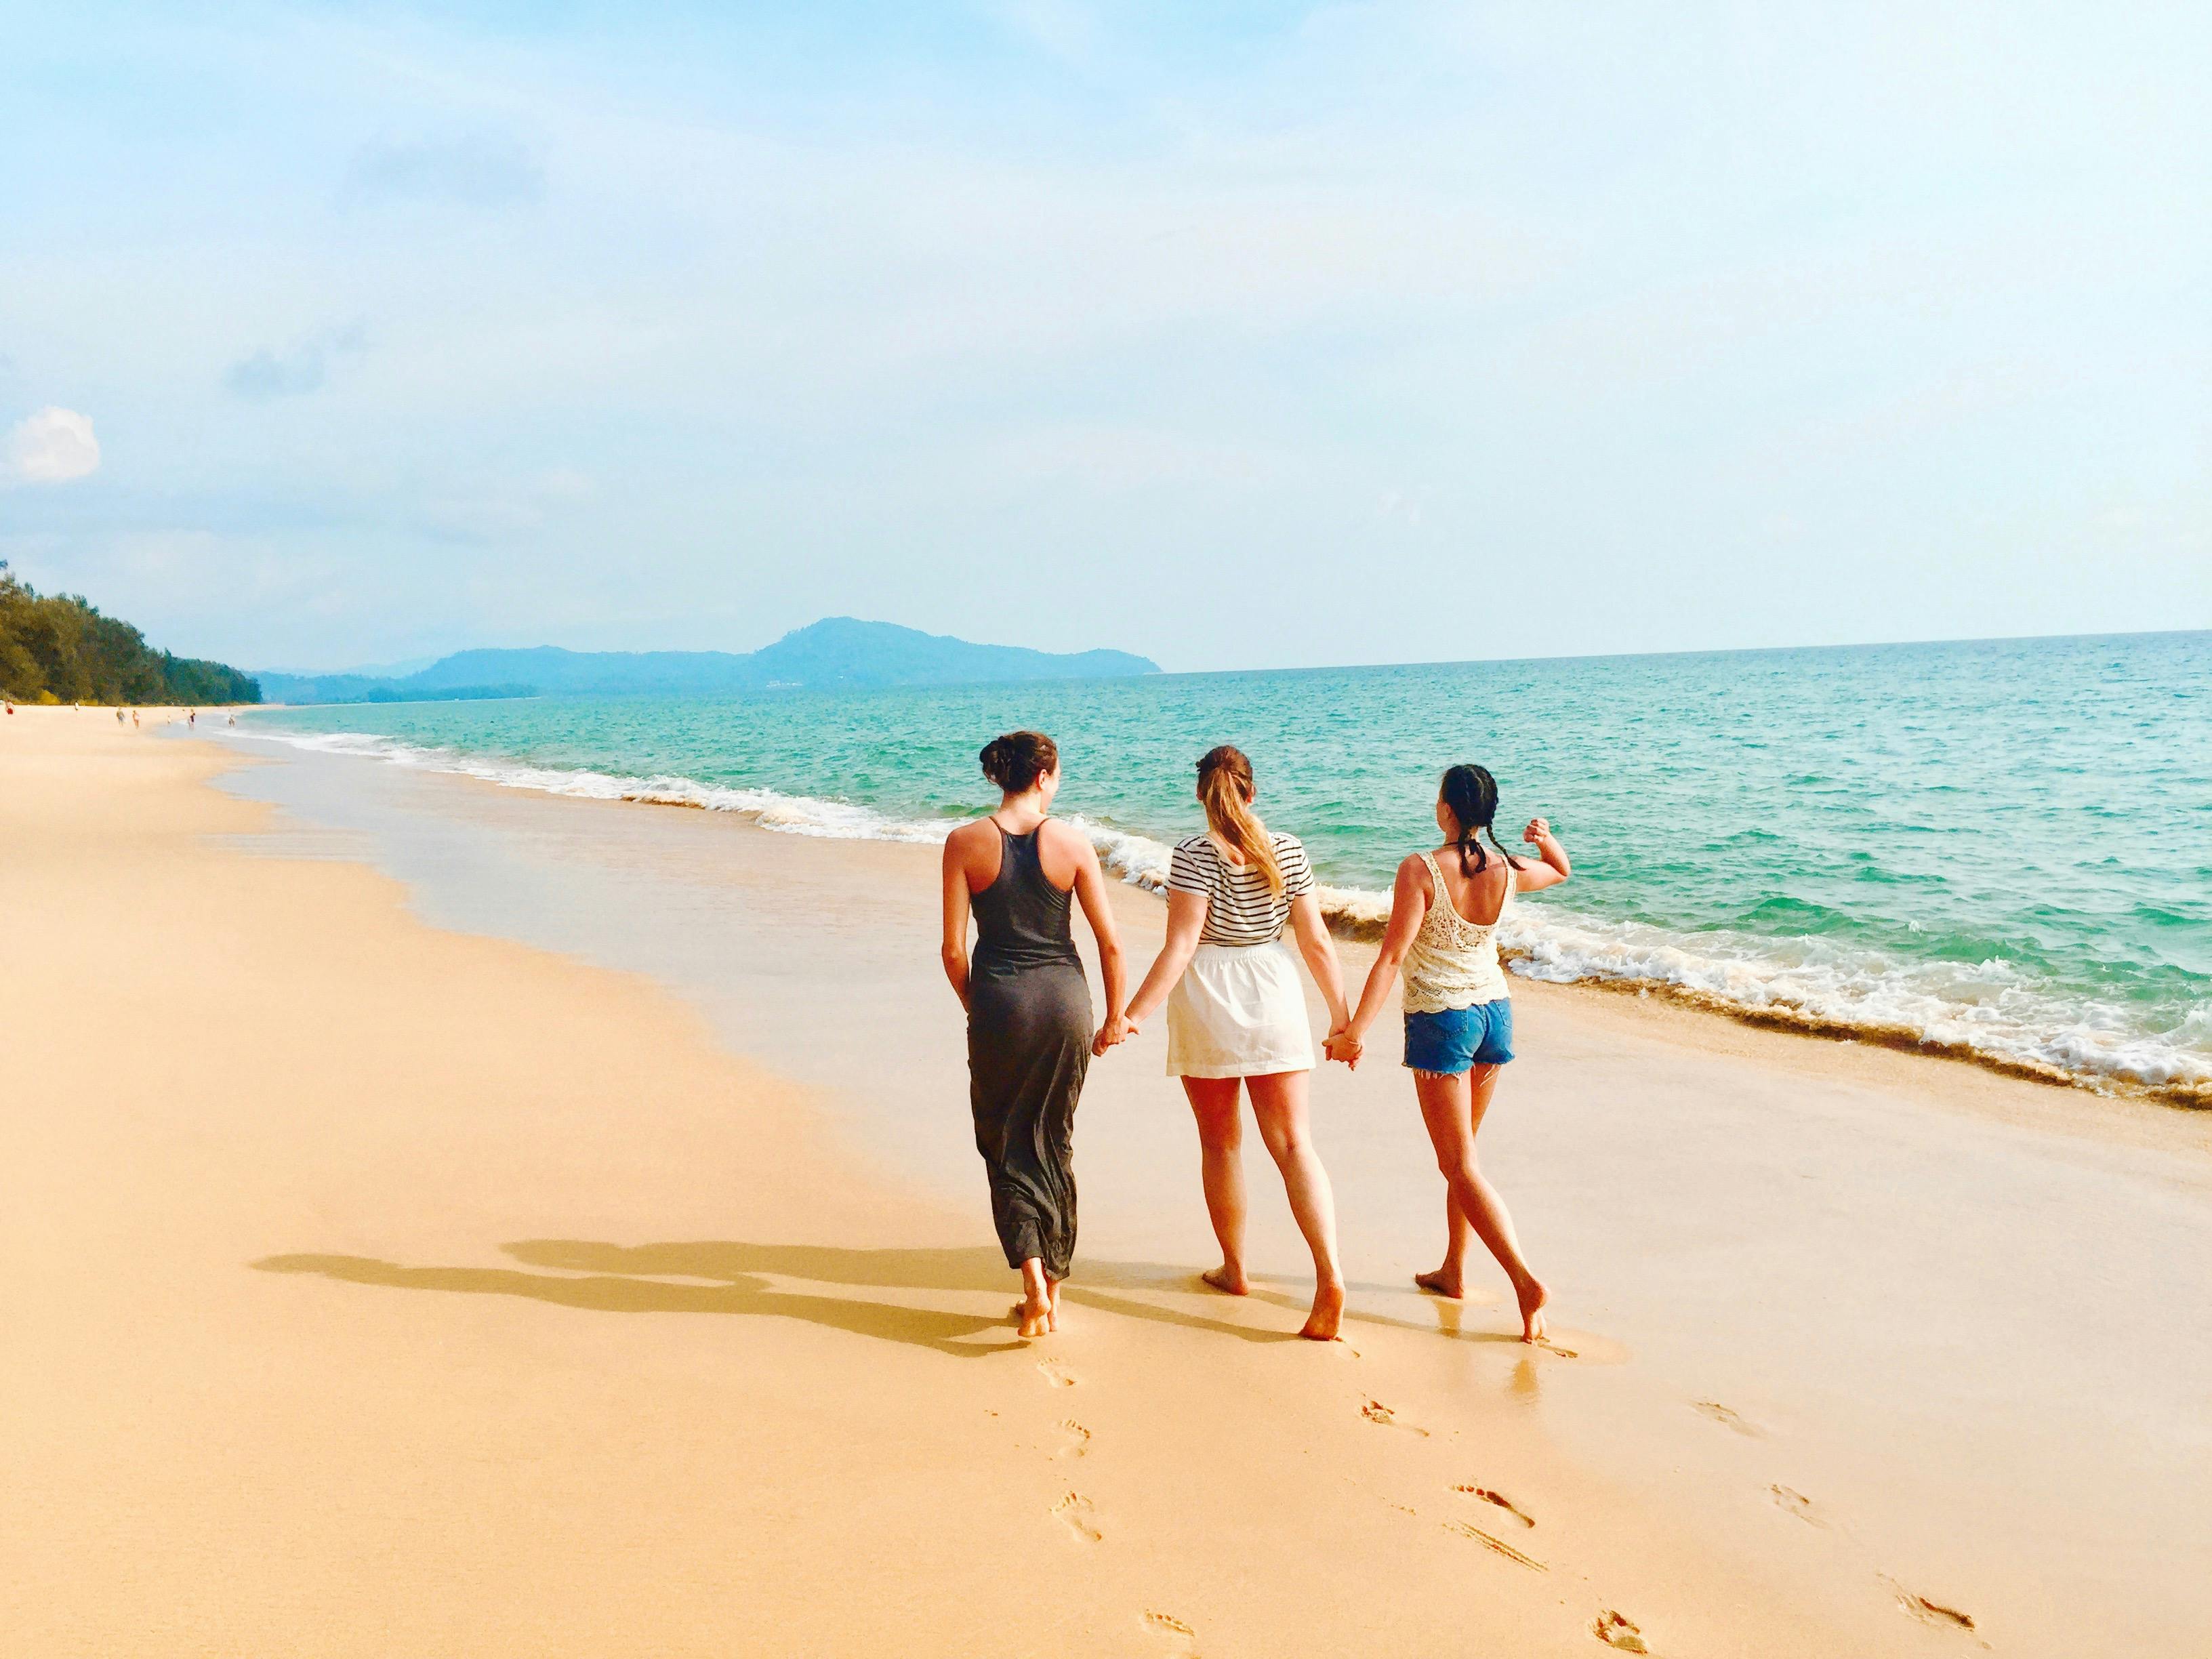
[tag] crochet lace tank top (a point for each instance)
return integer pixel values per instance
(1452, 962)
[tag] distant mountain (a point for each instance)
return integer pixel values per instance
(368, 671)
(841, 653)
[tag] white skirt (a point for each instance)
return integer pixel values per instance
(1239, 1011)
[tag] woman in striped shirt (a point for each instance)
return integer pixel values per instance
(1236, 1017)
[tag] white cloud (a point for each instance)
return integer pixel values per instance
(1125, 458)
(304, 368)
(1058, 28)
(51, 447)
(490, 512)
(479, 170)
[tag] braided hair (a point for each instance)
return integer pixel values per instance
(1470, 794)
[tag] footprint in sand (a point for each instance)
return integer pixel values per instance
(1080, 1517)
(1376, 1412)
(1056, 1374)
(1792, 1502)
(1180, 1638)
(1726, 1419)
(1494, 1546)
(1501, 1501)
(1617, 1632)
(1931, 1612)
(1078, 1439)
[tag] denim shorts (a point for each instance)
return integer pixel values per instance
(1449, 1042)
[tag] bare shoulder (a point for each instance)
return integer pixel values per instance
(1413, 871)
(968, 839)
(1069, 842)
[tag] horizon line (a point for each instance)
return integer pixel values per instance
(1310, 668)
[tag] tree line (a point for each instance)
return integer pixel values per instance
(59, 648)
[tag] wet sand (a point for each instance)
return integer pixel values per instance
(344, 1131)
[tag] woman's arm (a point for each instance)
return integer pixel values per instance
(954, 949)
(1186, 922)
(1320, 953)
(1554, 870)
(1098, 911)
(1409, 903)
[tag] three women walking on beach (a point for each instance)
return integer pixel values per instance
(1236, 1014)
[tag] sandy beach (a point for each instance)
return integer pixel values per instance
(447, 1220)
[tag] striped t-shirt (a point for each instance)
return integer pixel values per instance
(1239, 909)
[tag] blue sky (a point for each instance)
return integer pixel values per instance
(1241, 335)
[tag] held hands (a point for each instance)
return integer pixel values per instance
(1118, 1029)
(1342, 1045)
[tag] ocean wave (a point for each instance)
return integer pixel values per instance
(770, 809)
(1988, 1010)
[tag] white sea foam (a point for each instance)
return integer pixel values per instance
(797, 815)
(1985, 1008)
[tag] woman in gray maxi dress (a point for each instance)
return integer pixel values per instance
(1030, 1037)
(1028, 1044)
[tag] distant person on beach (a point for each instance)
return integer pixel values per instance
(1445, 916)
(192, 719)
(1236, 1017)
(1029, 1027)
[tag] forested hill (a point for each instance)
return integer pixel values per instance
(59, 648)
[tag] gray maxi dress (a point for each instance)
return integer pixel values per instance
(1029, 1045)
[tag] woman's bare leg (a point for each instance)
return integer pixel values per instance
(1215, 1103)
(1453, 1109)
(1450, 1279)
(1278, 1102)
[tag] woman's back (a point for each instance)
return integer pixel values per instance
(1241, 908)
(1022, 921)
(1453, 962)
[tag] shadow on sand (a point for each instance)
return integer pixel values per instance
(740, 1278)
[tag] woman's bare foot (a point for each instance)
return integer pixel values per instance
(1033, 1317)
(1327, 1315)
(1229, 1281)
(1444, 1282)
(1533, 1297)
(1052, 1296)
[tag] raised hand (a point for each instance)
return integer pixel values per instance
(1538, 831)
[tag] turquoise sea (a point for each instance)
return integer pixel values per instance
(2000, 846)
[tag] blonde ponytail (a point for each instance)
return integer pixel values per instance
(1225, 785)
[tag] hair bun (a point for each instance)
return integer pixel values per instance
(1016, 760)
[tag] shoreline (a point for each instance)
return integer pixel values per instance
(357, 1039)
(1904, 1040)
(1354, 915)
